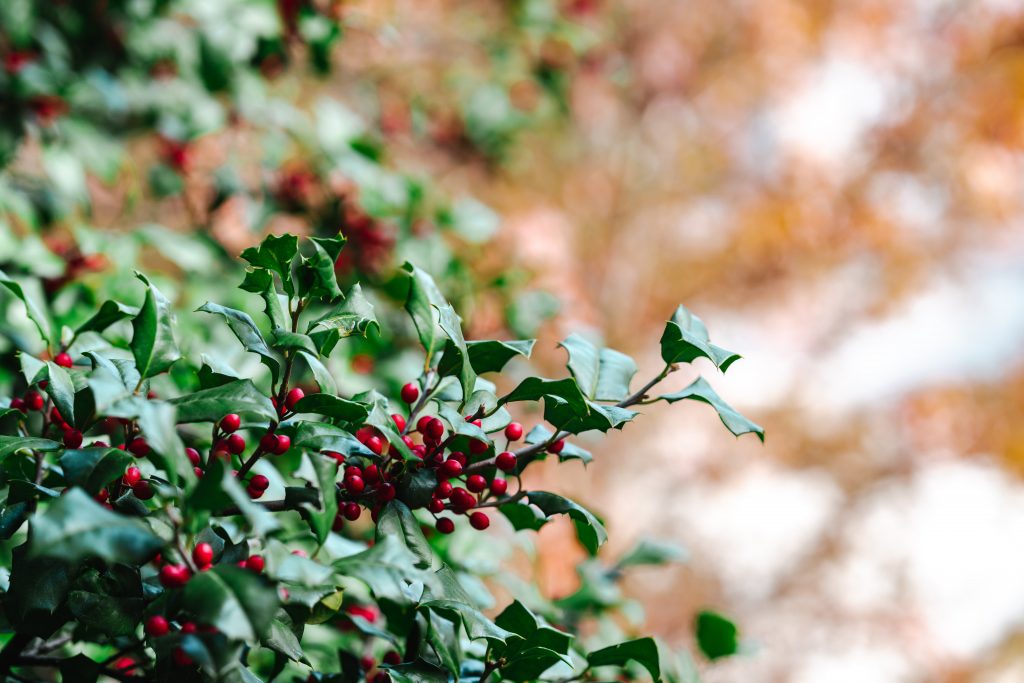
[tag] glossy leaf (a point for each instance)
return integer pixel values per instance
(275, 253)
(94, 468)
(423, 302)
(700, 390)
(153, 345)
(334, 407)
(589, 530)
(248, 334)
(602, 374)
(109, 313)
(238, 602)
(644, 651)
(35, 313)
(686, 338)
(210, 405)
(717, 636)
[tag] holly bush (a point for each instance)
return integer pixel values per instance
(166, 516)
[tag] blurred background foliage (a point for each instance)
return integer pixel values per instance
(835, 187)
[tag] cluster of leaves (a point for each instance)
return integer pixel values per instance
(221, 533)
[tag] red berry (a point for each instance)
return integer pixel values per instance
(230, 422)
(268, 442)
(173, 575)
(354, 484)
(99, 444)
(293, 397)
(436, 505)
(55, 415)
(364, 433)
(476, 446)
(157, 626)
(557, 446)
(63, 359)
(435, 429)
(386, 492)
(380, 677)
(419, 451)
(459, 457)
(407, 440)
(236, 444)
(259, 482)
(255, 563)
(506, 461)
(132, 475)
(283, 444)
(138, 447)
(367, 662)
(421, 424)
(371, 475)
(338, 524)
(193, 456)
(143, 490)
(375, 444)
(33, 400)
(476, 483)
(479, 520)
(392, 658)
(199, 472)
(499, 487)
(444, 489)
(254, 493)
(72, 438)
(202, 554)
(445, 525)
(462, 499)
(181, 658)
(399, 421)
(353, 471)
(352, 511)
(451, 468)
(410, 392)
(18, 404)
(513, 431)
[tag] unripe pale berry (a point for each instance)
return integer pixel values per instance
(479, 520)
(451, 468)
(138, 447)
(445, 525)
(513, 431)
(230, 422)
(476, 483)
(499, 487)
(202, 554)
(63, 359)
(410, 392)
(506, 461)
(235, 444)
(132, 475)
(399, 421)
(157, 626)
(293, 397)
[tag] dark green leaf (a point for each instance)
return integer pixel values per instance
(219, 489)
(35, 313)
(62, 390)
(153, 345)
(210, 405)
(283, 638)
(247, 333)
(493, 355)
(417, 672)
(561, 414)
(94, 468)
(317, 277)
(79, 669)
(397, 521)
(685, 339)
(109, 313)
(333, 407)
(536, 388)
(320, 436)
(642, 650)
(523, 516)
(324, 474)
(352, 316)
(238, 602)
(700, 390)
(589, 530)
(602, 374)
(717, 636)
(261, 281)
(541, 434)
(275, 253)
(422, 303)
(11, 444)
(451, 325)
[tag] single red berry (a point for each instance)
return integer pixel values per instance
(143, 490)
(33, 400)
(193, 456)
(198, 471)
(436, 505)
(132, 475)
(386, 492)
(375, 444)
(72, 438)
(399, 421)
(152, 394)
(338, 524)
(364, 433)
(462, 499)
(255, 563)
(478, 520)
(102, 496)
(392, 658)
(444, 489)
(202, 554)
(173, 575)
(259, 482)
(63, 359)
(435, 429)
(181, 658)
(293, 397)
(557, 447)
(352, 511)
(220, 450)
(381, 677)
(420, 451)
(459, 457)
(367, 662)
(55, 415)
(157, 626)
(421, 424)
(445, 525)
(138, 447)
(124, 665)
(18, 404)
(476, 446)
(368, 612)
(513, 431)
(371, 475)
(410, 392)
(451, 468)
(230, 422)
(254, 493)
(354, 484)
(268, 442)
(476, 483)
(506, 461)
(283, 444)
(99, 444)
(499, 487)
(236, 444)
(353, 471)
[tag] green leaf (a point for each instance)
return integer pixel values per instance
(158, 420)
(238, 602)
(11, 444)
(210, 405)
(602, 374)
(317, 271)
(560, 413)
(321, 517)
(35, 602)
(324, 379)
(397, 521)
(153, 345)
(31, 367)
(451, 325)
(334, 407)
(419, 671)
(423, 302)
(218, 490)
(109, 313)
(523, 516)
(352, 316)
(717, 636)
(110, 615)
(417, 488)
(644, 651)
(275, 254)
(283, 639)
(700, 390)
(62, 390)
(261, 281)
(75, 526)
(35, 313)
(536, 388)
(94, 468)
(293, 341)
(380, 418)
(320, 436)
(650, 551)
(248, 334)
(686, 338)
(589, 530)
(493, 355)
(541, 434)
